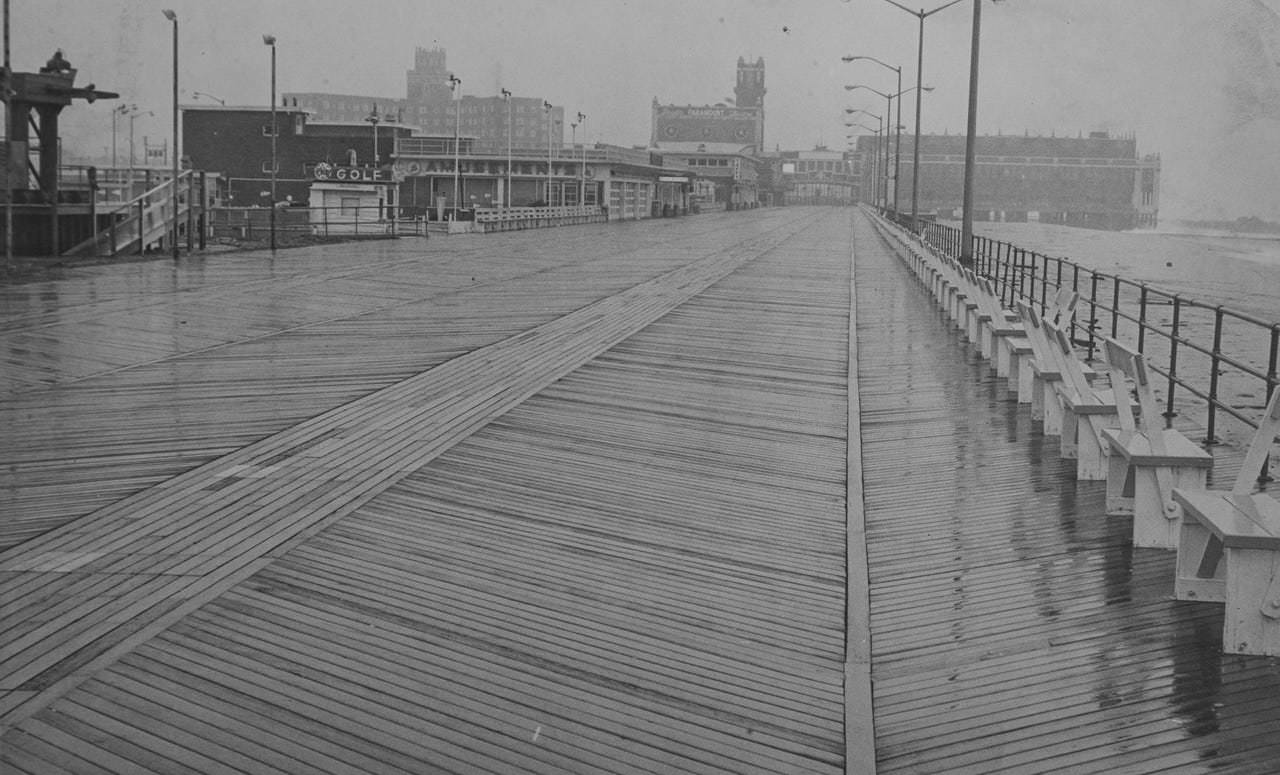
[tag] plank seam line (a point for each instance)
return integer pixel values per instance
(860, 740)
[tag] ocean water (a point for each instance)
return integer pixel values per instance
(1240, 271)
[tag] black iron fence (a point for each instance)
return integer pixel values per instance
(253, 224)
(1208, 355)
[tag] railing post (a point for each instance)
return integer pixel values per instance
(1044, 283)
(1169, 414)
(1115, 306)
(1264, 475)
(1142, 319)
(1211, 437)
(1031, 279)
(142, 236)
(1093, 310)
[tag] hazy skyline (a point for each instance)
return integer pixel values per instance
(1197, 81)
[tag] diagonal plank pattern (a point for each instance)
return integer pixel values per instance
(638, 569)
(85, 592)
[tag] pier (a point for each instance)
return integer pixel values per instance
(721, 493)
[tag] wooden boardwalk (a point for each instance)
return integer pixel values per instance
(1015, 628)
(581, 500)
(612, 541)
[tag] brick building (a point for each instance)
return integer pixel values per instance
(1096, 180)
(235, 141)
(430, 106)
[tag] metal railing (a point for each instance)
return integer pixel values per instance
(240, 225)
(1198, 347)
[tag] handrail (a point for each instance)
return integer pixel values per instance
(1185, 346)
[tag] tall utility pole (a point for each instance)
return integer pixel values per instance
(970, 143)
(454, 83)
(546, 107)
(915, 150)
(506, 96)
(8, 159)
(270, 40)
(173, 17)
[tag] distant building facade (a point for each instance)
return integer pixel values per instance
(429, 105)
(741, 123)
(720, 144)
(817, 177)
(236, 143)
(1097, 180)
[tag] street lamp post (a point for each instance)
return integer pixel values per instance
(582, 174)
(915, 151)
(970, 146)
(373, 118)
(270, 40)
(116, 112)
(546, 108)
(573, 135)
(875, 159)
(897, 151)
(506, 96)
(888, 112)
(173, 17)
(454, 83)
(875, 178)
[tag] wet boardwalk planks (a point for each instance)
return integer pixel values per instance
(252, 345)
(1015, 628)
(582, 513)
(613, 542)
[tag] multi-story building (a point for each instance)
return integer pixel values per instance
(431, 106)
(235, 141)
(721, 143)
(741, 123)
(819, 176)
(1096, 180)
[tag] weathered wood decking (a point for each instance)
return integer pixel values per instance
(610, 542)
(1015, 629)
(569, 501)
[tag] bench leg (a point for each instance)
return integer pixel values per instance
(1120, 486)
(1091, 450)
(1154, 525)
(1251, 623)
(1201, 574)
(1070, 429)
(1026, 382)
(1004, 356)
(1054, 414)
(986, 341)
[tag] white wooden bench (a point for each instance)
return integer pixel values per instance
(1147, 461)
(1229, 550)
(1086, 410)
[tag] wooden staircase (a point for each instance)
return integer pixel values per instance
(147, 221)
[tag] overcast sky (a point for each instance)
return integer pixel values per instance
(1197, 81)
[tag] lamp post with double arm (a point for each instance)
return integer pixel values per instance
(173, 17)
(454, 83)
(897, 151)
(506, 96)
(915, 150)
(270, 40)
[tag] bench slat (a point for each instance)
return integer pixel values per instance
(1239, 521)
